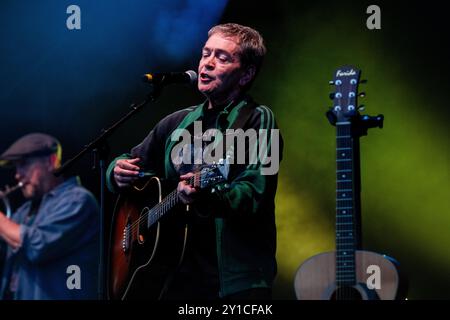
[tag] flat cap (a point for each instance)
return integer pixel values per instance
(30, 145)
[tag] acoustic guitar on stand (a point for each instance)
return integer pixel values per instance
(349, 273)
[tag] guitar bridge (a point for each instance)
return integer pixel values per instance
(126, 240)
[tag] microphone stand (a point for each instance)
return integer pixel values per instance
(100, 151)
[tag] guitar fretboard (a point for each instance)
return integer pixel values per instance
(167, 203)
(345, 208)
(162, 208)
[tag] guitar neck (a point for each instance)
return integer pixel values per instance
(347, 203)
(158, 211)
(168, 202)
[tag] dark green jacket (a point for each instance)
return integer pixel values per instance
(244, 213)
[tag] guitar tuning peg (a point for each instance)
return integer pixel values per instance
(331, 82)
(363, 81)
(332, 96)
(362, 108)
(362, 94)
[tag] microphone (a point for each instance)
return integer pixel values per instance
(166, 78)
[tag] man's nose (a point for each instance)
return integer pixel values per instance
(210, 63)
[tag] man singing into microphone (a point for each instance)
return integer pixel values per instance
(231, 244)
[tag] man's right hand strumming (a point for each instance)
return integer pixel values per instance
(126, 171)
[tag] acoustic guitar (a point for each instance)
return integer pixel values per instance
(349, 273)
(147, 244)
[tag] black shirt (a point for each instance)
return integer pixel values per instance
(198, 276)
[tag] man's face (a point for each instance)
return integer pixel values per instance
(33, 173)
(220, 69)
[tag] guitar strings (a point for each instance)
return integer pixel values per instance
(337, 241)
(340, 293)
(155, 210)
(344, 292)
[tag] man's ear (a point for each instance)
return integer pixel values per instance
(54, 161)
(248, 75)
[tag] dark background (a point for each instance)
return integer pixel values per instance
(73, 83)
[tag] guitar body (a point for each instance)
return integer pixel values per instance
(316, 278)
(141, 258)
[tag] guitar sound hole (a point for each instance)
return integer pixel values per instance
(346, 293)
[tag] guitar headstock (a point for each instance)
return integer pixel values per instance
(345, 98)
